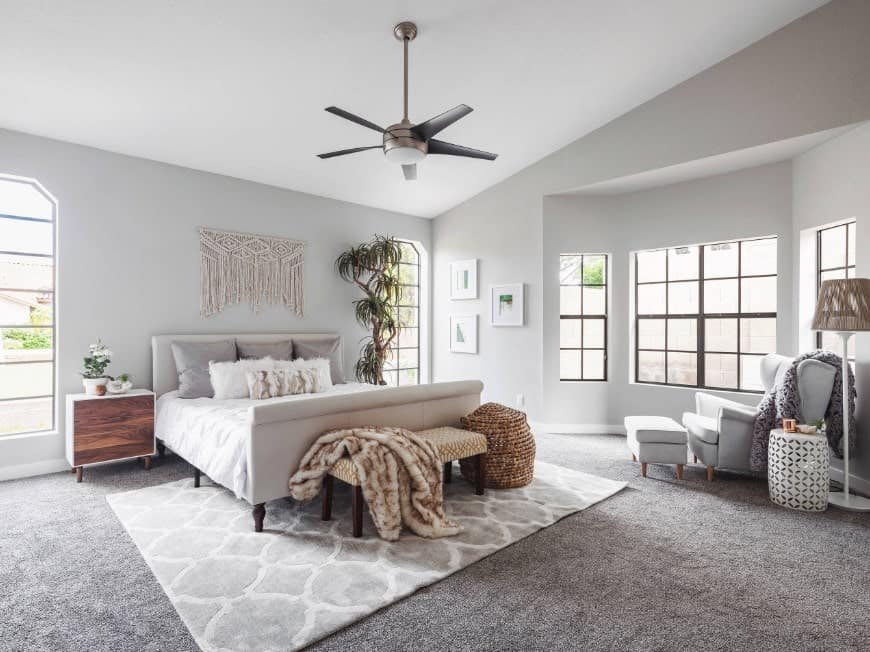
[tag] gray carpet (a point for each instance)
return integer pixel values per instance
(662, 565)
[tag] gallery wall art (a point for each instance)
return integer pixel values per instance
(506, 304)
(463, 279)
(463, 333)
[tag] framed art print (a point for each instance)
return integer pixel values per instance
(463, 279)
(506, 304)
(463, 333)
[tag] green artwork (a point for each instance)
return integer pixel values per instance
(465, 275)
(459, 336)
(505, 302)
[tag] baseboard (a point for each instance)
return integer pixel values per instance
(578, 428)
(856, 485)
(34, 468)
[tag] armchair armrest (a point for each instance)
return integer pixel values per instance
(739, 413)
(707, 405)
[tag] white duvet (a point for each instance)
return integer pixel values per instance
(212, 434)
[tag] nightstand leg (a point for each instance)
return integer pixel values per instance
(78, 474)
(259, 512)
(147, 461)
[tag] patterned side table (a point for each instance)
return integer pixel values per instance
(798, 470)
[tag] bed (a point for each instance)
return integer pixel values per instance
(253, 447)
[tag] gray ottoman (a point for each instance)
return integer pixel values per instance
(656, 440)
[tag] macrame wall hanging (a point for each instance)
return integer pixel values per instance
(237, 267)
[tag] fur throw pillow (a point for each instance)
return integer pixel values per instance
(229, 379)
(319, 365)
(271, 383)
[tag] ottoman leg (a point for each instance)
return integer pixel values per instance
(633, 457)
(710, 473)
(695, 457)
(357, 510)
(326, 504)
(643, 469)
(480, 473)
(448, 472)
(679, 471)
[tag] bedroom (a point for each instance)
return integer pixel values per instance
(690, 123)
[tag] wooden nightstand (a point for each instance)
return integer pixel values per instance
(109, 428)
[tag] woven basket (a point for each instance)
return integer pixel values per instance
(510, 454)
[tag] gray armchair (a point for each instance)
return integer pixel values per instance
(720, 431)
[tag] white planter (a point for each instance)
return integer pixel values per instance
(118, 387)
(91, 385)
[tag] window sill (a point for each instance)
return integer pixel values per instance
(717, 390)
(29, 435)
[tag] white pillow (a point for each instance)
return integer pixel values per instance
(319, 365)
(229, 379)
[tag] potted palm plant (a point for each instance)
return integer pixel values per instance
(372, 267)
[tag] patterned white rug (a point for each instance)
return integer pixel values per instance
(302, 578)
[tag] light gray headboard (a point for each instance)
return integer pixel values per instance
(165, 376)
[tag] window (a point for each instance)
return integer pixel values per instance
(705, 314)
(27, 219)
(835, 249)
(403, 365)
(582, 317)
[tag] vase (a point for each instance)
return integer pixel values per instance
(94, 386)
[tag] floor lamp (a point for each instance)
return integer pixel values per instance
(843, 307)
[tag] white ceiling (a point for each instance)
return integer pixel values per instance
(239, 88)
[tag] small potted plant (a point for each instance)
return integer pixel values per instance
(94, 375)
(120, 385)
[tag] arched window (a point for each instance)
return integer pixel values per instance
(27, 306)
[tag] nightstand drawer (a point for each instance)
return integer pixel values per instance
(112, 429)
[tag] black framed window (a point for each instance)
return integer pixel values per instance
(27, 307)
(835, 258)
(705, 314)
(582, 317)
(403, 365)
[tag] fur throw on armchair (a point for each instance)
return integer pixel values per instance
(399, 472)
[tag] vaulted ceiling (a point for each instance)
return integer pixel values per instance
(238, 88)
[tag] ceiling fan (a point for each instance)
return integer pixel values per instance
(406, 143)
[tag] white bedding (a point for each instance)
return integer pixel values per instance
(212, 434)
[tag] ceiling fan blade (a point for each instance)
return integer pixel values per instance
(342, 152)
(440, 147)
(440, 122)
(341, 113)
(410, 172)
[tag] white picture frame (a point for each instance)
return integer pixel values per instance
(506, 304)
(463, 334)
(463, 279)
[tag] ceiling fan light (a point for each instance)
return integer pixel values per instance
(404, 155)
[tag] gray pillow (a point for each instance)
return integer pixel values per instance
(282, 350)
(191, 362)
(328, 347)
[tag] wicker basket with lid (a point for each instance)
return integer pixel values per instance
(510, 454)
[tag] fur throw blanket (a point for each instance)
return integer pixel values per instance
(783, 402)
(400, 475)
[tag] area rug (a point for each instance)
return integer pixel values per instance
(302, 578)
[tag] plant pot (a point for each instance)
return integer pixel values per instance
(119, 387)
(94, 386)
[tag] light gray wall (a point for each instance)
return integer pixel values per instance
(745, 204)
(810, 76)
(128, 257)
(832, 183)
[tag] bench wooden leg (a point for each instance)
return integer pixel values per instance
(196, 477)
(448, 472)
(326, 505)
(480, 473)
(357, 510)
(633, 457)
(643, 469)
(679, 471)
(710, 473)
(259, 513)
(695, 457)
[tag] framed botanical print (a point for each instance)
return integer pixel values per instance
(463, 279)
(463, 333)
(506, 305)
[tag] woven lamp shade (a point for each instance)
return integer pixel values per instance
(843, 305)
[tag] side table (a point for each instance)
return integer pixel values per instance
(798, 470)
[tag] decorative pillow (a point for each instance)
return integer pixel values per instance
(230, 380)
(328, 347)
(282, 350)
(269, 383)
(320, 366)
(192, 360)
(262, 384)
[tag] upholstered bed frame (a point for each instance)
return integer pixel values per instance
(281, 432)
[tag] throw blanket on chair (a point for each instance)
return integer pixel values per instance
(399, 472)
(783, 402)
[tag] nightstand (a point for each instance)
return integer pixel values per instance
(109, 428)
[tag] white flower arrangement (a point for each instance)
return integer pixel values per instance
(98, 358)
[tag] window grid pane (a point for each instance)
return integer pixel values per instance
(403, 364)
(705, 319)
(27, 334)
(583, 317)
(835, 258)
